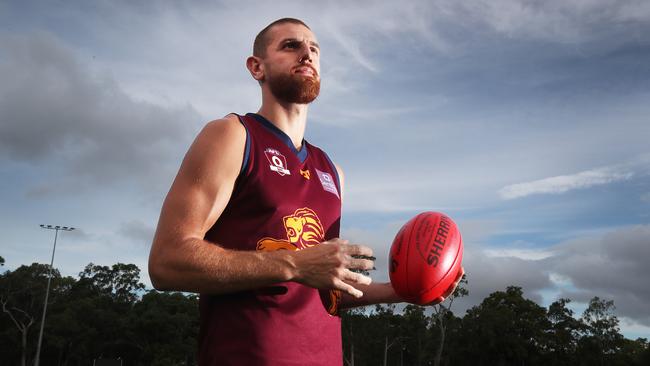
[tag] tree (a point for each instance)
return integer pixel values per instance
(413, 330)
(165, 326)
(95, 318)
(602, 337)
(375, 335)
(353, 332)
(564, 333)
(21, 297)
(633, 352)
(441, 315)
(121, 281)
(505, 329)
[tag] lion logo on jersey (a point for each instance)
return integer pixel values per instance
(303, 229)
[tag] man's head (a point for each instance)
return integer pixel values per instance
(262, 40)
(286, 61)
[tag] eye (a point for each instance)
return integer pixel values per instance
(292, 45)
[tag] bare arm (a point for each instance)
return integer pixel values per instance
(375, 293)
(181, 260)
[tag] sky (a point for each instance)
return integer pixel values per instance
(525, 121)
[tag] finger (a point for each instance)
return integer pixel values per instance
(459, 278)
(437, 300)
(453, 286)
(349, 289)
(449, 291)
(354, 277)
(373, 258)
(357, 250)
(461, 273)
(337, 241)
(361, 264)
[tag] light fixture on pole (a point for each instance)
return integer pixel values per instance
(47, 291)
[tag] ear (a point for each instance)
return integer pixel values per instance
(255, 67)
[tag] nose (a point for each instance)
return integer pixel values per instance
(307, 54)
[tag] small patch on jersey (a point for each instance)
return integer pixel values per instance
(328, 182)
(305, 174)
(278, 161)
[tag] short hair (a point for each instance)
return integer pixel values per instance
(262, 40)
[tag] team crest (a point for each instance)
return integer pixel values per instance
(277, 161)
(303, 229)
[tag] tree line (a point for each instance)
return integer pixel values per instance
(108, 313)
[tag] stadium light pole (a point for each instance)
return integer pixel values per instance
(47, 291)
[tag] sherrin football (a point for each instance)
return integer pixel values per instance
(425, 257)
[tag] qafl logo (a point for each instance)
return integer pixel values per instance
(277, 161)
(303, 229)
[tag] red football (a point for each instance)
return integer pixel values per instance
(425, 257)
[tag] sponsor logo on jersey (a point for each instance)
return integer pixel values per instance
(278, 163)
(305, 174)
(328, 182)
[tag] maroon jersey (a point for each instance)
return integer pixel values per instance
(283, 199)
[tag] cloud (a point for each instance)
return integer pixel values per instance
(555, 21)
(612, 266)
(137, 230)
(645, 197)
(487, 274)
(352, 48)
(565, 183)
(55, 111)
(426, 104)
(520, 253)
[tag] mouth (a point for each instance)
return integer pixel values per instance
(306, 70)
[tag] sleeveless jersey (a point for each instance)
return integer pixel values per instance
(283, 199)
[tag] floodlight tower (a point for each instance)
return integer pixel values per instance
(47, 291)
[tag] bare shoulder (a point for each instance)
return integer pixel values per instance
(215, 157)
(226, 127)
(225, 137)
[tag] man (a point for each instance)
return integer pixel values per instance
(251, 222)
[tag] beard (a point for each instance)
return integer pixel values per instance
(292, 88)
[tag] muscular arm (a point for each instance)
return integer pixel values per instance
(182, 260)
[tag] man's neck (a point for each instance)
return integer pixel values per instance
(288, 117)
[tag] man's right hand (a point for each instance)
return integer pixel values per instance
(328, 266)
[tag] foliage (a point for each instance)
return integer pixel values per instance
(22, 293)
(106, 312)
(99, 315)
(505, 329)
(564, 333)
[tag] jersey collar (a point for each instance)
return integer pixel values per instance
(300, 153)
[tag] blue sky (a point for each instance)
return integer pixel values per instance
(527, 122)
